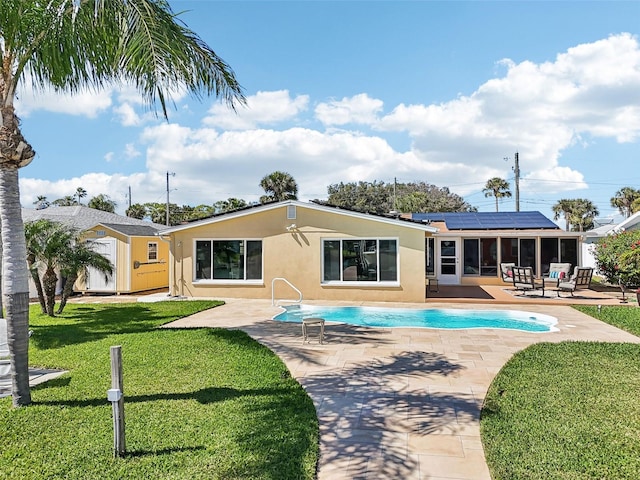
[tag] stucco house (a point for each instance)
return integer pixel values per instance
(324, 252)
(138, 255)
(469, 247)
(272, 250)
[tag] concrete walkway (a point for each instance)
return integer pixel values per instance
(399, 403)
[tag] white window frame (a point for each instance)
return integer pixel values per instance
(355, 283)
(151, 250)
(227, 281)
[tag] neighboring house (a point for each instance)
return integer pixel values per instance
(593, 236)
(469, 246)
(325, 252)
(138, 255)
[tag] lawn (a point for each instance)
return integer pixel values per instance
(567, 411)
(200, 403)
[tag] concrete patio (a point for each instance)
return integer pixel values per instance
(400, 403)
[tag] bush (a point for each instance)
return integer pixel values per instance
(618, 258)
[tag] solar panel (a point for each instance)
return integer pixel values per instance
(489, 220)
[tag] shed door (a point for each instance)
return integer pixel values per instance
(95, 279)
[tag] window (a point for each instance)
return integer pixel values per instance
(480, 256)
(362, 260)
(233, 260)
(152, 251)
(429, 256)
(528, 253)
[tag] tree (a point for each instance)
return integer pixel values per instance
(36, 233)
(618, 259)
(102, 202)
(157, 213)
(74, 261)
(73, 46)
(381, 198)
(583, 213)
(624, 198)
(222, 206)
(579, 213)
(278, 186)
(498, 188)
(41, 202)
(67, 201)
(80, 193)
(47, 242)
(136, 211)
(564, 207)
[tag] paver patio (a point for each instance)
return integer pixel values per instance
(399, 403)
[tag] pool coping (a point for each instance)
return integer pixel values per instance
(399, 403)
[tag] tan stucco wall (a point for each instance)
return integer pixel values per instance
(296, 256)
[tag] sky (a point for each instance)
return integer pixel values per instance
(444, 92)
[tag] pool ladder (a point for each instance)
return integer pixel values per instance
(274, 302)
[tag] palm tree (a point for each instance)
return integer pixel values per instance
(624, 198)
(583, 212)
(564, 207)
(36, 233)
(41, 202)
(66, 201)
(498, 188)
(47, 244)
(278, 186)
(80, 193)
(136, 210)
(102, 202)
(73, 46)
(75, 261)
(229, 204)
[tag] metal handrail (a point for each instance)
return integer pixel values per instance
(273, 291)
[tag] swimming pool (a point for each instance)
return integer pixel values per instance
(423, 318)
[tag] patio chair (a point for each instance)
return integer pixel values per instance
(525, 280)
(580, 280)
(557, 273)
(506, 271)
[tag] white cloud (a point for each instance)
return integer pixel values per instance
(358, 109)
(263, 108)
(86, 103)
(130, 151)
(540, 110)
(127, 115)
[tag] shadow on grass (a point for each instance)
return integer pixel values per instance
(85, 324)
(162, 451)
(204, 396)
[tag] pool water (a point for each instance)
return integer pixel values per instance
(422, 318)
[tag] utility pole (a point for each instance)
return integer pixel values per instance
(129, 196)
(516, 171)
(173, 175)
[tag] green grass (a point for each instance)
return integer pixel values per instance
(200, 403)
(626, 318)
(567, 411)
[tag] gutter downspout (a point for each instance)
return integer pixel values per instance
(171, 262)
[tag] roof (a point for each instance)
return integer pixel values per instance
(489, 220)
(85, 218)
(404, 222)
(132, 230)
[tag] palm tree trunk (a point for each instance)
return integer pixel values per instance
(66, 291)
(16, 285)
(496, 203)
(49, 281)
(36, 280)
